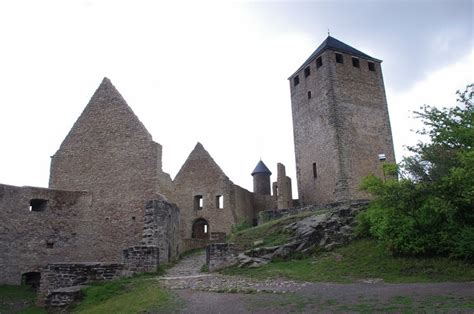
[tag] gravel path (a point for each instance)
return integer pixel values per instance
(216, 293)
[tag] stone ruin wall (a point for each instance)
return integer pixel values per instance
(201, 176)
(161, 229)
(31, 239)
(110, 153)
(61, 282)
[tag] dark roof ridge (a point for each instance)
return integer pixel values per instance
(337, 45)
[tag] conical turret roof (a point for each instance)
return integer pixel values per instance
(261, 168)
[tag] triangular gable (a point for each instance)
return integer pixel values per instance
(106, 119)
(199, 157)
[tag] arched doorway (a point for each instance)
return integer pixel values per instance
(200, 229)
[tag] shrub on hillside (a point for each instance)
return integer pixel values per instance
(427, 207)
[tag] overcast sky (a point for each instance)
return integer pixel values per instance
(213, 72)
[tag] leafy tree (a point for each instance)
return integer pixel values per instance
(427, 208)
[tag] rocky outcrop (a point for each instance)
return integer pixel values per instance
(320, 231)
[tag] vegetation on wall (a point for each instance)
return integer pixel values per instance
(425, 205)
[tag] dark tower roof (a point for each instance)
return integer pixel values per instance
(337, 45)
(261, 168)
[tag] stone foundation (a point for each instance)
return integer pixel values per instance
(220, 255)
(61, 283)
(141, 259)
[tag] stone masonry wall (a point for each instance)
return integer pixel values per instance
(141, 259)
(201, 176)
(340, 129)
(31, 239)
(56, 277)
(220, 255)
(364, 125)
(109, 153)
(161, 229)
(315, 135)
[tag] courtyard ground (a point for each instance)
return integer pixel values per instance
(199, 292)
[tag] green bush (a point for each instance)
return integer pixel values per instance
(425, 206)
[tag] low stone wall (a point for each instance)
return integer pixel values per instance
(141, 259)
(56, 277)
(192, 244)
(220, 255)
(217, 237)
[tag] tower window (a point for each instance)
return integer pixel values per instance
(307, 71)
(339, 58)
(38, 205)
(198, 202)
(371, 66)
(315, 171)
(355, 62)
(309, 94)
(319, 63)
(296, 80)
(219, 202)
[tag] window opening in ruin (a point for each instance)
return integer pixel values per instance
(198, 202)
(296, 80)
(38, 205)
(307, 71)
(133, 218)
(276, 190)
(309, 94)
(200, 229)
(371, 66)
(31, 279)
(49, 244)
(219, 202)
(319, 62)
(355, 62)
(315, 171)
(339, 58)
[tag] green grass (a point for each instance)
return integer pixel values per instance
(130, 295)
(272, 232)
(362, 259)
(18, 299)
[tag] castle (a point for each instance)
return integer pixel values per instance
(108, 168)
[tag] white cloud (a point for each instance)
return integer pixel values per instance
(437, 89)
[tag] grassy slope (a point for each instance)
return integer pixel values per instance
(272, 232)
(361, 259)
(18, 299)
(130, 295)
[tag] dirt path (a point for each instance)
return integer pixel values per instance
(215, 293)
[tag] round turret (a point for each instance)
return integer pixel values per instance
(261, 179)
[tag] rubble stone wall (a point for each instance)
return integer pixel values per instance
(220, 255)
(141, 259)
(64, 275)
(30, 239)
(161, 229)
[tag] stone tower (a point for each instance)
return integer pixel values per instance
(261, 179)
(340, 122)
